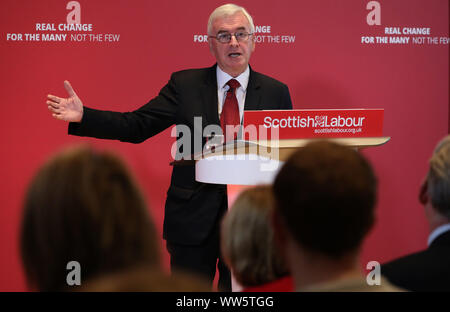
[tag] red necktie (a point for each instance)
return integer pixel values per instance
(230, 110)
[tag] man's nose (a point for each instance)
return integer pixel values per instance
(234, 41)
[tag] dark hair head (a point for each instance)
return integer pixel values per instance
(84, 206)
(326, 195)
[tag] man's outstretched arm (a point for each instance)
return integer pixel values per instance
(134, 127)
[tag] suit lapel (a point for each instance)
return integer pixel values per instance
(253, 96)
(210, 99)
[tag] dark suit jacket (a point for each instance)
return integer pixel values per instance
(428, 270)
(192, 208)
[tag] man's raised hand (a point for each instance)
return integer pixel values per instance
(67, 109)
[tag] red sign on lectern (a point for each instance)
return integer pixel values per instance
(295, 124)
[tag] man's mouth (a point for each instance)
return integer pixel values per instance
(233, 55)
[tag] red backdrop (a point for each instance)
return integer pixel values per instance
(323, 61)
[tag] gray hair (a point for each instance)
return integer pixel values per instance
(438, 177)
(227, 10)
(247, 241)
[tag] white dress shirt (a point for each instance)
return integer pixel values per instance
(222, 88)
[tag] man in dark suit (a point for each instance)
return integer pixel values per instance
(193, 210)
(429, 270)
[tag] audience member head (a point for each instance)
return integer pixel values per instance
(248, 242)
(84, 206)
(435, 191)
(325, 196)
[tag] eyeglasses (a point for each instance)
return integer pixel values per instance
(225, 37)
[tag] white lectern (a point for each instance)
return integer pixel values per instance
(251, 163)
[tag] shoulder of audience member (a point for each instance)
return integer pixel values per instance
(146, 279)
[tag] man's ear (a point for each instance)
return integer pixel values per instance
(423, 193)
